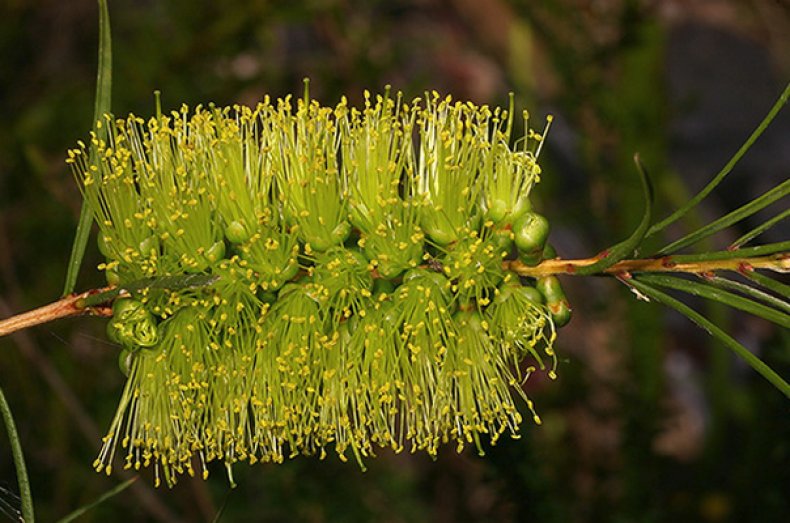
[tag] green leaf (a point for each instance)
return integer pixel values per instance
(762, 250)
(727, 168)
(720, 295)
(101, 499)
(769, 299)
(19, 460)
(101, 107)
(756, 205)
(772, 285)
(626, 248)
(749, 236)
(744, 353)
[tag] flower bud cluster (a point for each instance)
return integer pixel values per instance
(360, 299)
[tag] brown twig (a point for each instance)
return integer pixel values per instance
(62, 308)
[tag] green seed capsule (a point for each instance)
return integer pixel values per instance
(531, 232)
(237, 232)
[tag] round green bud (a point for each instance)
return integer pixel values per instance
(237, 231)
(216, 252)
(323, 243)
(497, 210)
(437, 228)
(150, 246)
(523, 205)
(469, 317)
(531, 232)
(550, 288)
(530, 293)
(549, 253)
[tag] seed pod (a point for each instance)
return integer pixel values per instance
(531, 232)
(237, 231)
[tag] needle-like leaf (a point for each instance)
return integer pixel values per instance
(741, 213)
(626, 248)
(101, 107)
(663, 224)
(720, 295)
(744, 353)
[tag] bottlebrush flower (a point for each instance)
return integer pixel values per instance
(360, 300)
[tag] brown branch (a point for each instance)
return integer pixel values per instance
(76, 304)
(63, 308)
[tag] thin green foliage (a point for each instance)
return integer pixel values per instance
(19, 460)
(741, 351)
(627, 247)
(768, 299)
(749, 236)
(747, 252)
(101, 107)
(693, 202)
(98, 501)
(769, 283)
(720, 295)
(743, 212)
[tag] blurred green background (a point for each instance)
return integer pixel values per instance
(649, 421)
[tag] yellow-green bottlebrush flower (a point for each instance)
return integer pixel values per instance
(356, 299)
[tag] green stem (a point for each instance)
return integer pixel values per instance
(19, 460)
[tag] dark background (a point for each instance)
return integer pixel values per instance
(650, 419)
